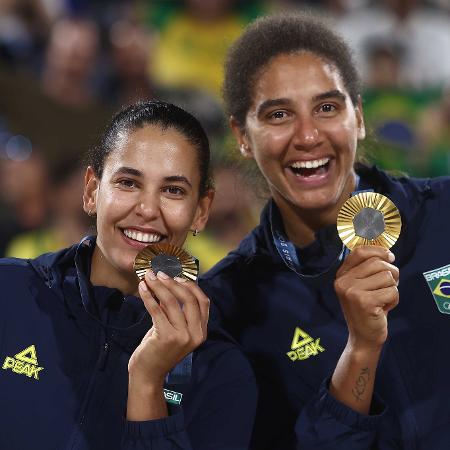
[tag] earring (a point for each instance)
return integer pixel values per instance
(195, 232)
(243, 148)
(91, 213)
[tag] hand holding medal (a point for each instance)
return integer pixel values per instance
(179, 312)
(366, 283)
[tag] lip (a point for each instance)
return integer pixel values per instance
(140, 245)
(315, 158)
(311, 182)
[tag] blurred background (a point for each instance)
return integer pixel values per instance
(67, 65)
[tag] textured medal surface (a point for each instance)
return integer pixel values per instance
(172, 260)
(369, 218)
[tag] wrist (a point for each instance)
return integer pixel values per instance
(142, 382)
(362, 349)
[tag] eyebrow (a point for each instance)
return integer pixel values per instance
(335, 93)
(178, 178)
(270, 103)
(137, 173)
(129, 171)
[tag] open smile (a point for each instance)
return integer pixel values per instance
(310, 169)
(141, 237)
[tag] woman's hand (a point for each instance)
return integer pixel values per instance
(366, 285)
(179, 326)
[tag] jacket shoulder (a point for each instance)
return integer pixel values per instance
(11, 266)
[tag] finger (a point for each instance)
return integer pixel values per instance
(158, 316)
(202, 299)
(362, 253)
(372, 266)
(167, 301)
(189, 304)
(392, 298)
(374, 283)
(380, 300)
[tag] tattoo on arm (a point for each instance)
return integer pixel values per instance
(360, 384)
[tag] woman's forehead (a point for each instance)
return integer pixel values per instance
(304, 73)
(152, 148)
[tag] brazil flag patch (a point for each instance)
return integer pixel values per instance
(439, 283)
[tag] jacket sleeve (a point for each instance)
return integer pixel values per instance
(218, 414)
(325, 423)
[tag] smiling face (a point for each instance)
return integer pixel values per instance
(148, 192)
(302, 129)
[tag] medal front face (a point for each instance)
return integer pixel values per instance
(167, 258)
(369, 218)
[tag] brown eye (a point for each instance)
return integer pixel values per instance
(127, 183)
(278, 115)
(174, 190)
(327, 108)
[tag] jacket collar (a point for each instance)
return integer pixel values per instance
(408, 194)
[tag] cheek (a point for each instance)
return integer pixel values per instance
(271, 144)
(178, 214)
(345, 136)
(112, 203)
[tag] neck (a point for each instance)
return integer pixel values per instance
(301, 225)
(104, 274)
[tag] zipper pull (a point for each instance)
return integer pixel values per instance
(104, 355)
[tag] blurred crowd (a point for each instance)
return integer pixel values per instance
(67, 65)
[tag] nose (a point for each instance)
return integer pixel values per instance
(148, 205)
(306, 134)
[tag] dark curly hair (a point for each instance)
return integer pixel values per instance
(164, 115)
(274, 35)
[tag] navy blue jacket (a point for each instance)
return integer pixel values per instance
(64, 351)
(293, 330)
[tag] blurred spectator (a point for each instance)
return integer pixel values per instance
(434, 130)
(423, 32)
(70, 61)
(192, 44)
(24, 191)
(131, 48)
(234, 213)
(24, 26)
(67, 223)
(61, 110)
(326, 7)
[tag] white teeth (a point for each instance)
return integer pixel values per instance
(142, 237)
(310, 164)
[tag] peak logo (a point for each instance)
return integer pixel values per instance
(24, 363)
(303, 346)
(439, 283)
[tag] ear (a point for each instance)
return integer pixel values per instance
(360, 120)
(91, 185)
(241, 138)
(203, 209)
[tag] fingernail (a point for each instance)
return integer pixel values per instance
(162, 275)
(151, 276)
(391, 257)
(143, 286)
(180, 279)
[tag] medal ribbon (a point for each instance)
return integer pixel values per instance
(286, 249)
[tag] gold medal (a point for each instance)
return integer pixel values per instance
(167, 258)
(369, 218)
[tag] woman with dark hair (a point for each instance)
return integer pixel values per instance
(313, 319)
(91, 357)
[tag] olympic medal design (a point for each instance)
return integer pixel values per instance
(369, 218)
(168, 258)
